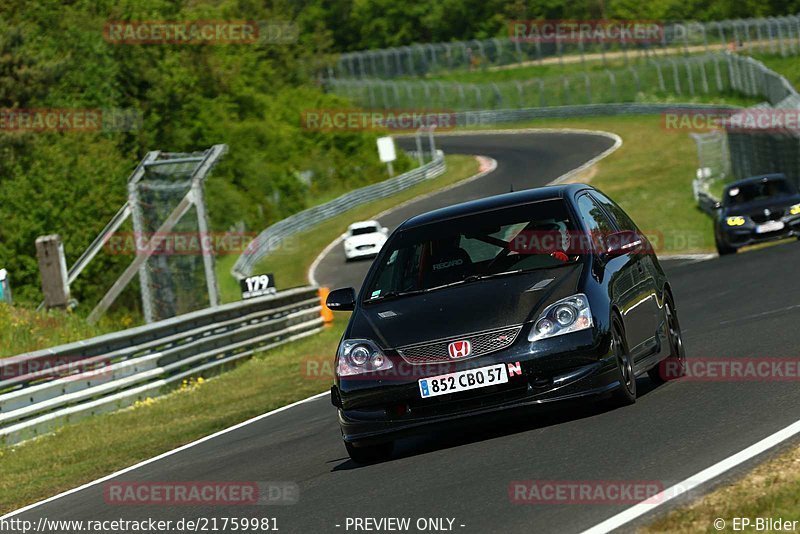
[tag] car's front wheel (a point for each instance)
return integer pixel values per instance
(369, 454)
(626, 392)
(723, 249)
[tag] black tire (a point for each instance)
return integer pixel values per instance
(625, 394)
(723, 249)
(674, 365)
(369, 454)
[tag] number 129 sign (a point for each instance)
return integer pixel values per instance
(257, 286)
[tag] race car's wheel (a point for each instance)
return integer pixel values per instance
(626, 392)
(723, 249)
(369, 454)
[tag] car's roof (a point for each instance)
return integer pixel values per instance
(362, 224)
(494, 202)
(756, 179)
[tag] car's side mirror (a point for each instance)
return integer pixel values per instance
(624, 242)
(341, 299)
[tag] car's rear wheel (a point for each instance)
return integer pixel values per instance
(674, 366)
(369, 454)
(626, 392)
(723, 249)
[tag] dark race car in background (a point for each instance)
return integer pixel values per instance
(755, 210)
(519, 299)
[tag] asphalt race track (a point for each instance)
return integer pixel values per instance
(739, 306)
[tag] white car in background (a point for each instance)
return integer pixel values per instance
(364, 239)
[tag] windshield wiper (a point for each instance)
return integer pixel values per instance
(476, 277)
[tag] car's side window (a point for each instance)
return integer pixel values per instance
(623, 221)
(596, 221)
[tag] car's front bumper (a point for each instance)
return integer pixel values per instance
(574, 366)
(352, 254)
(742, 236)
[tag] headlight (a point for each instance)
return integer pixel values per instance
(735, 221)
(357, 356)
(567, 315)
(795, 210)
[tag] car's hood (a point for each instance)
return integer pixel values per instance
(464, 309)
(365, 239)
(761, 205)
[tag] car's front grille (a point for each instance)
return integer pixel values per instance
(364, 247)
(761, 217)
(482, 343)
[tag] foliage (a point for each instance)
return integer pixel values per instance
(249, 96)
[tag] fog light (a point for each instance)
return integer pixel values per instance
(544, 327)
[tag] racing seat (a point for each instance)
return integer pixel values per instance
(450, 263)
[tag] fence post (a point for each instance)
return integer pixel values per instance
(53, 271)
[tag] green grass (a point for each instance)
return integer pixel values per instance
(290, 264)
(23, 329)
(770, 490)
(99, 445)
(787, 66)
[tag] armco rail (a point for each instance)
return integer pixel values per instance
(42, 390)
(274, 235)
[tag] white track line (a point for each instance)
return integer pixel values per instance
(695, 481)
(164, 455)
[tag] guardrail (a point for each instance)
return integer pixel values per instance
(272, 237)
(42, 390)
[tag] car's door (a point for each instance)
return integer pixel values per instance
(644, 271)
(621, 274)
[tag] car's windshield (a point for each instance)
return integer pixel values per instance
(363, 230)
(773, 187)
(467, 248)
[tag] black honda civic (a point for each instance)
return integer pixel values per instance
(754, 210)
(519, 299)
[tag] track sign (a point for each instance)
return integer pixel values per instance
(386, 149)
(257, 286)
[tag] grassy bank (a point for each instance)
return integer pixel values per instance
(771, 490)
(24, 329)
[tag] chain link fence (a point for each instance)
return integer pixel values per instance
(777, 35)
(706, 74)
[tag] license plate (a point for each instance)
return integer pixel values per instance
(772, 226)
(463, 380)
